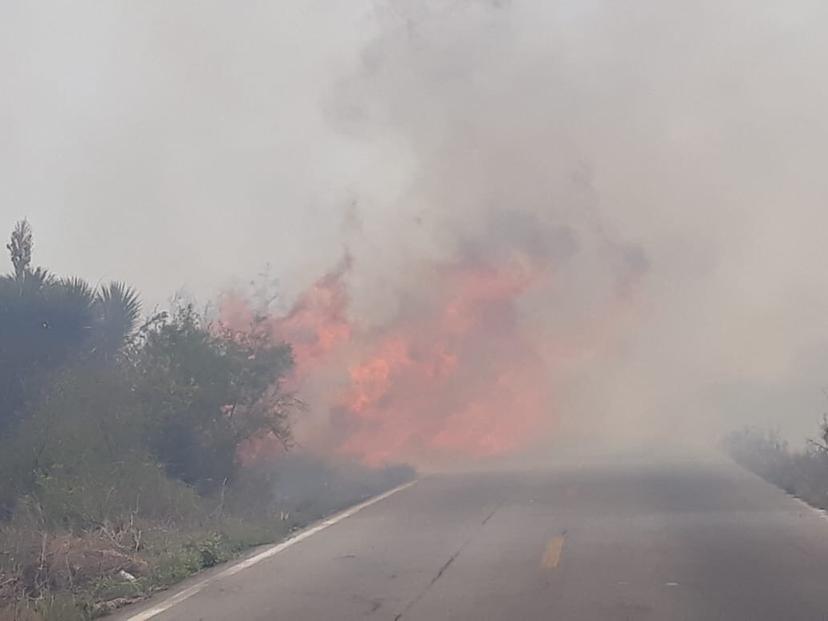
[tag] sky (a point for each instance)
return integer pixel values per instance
(666, 156)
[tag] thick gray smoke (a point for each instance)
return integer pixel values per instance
(665, 157)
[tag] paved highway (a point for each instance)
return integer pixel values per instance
(695, 541)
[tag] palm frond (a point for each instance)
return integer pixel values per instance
(118, 309)
(36, 280)
(77, 288)
(70, 293)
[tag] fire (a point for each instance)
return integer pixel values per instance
(317, 323)
(459, 375)
(449, 380)
(456, 377)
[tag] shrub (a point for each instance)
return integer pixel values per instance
(205, 391)
(802, 473)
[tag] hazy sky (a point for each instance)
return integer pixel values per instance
(187, 144)
(176, 144)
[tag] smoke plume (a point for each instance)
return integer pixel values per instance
(560, 220)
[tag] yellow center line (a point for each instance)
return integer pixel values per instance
(552, 554)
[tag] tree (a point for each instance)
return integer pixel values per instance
(83, 394)
(20, 246)
(117, 310)
(206, 391)
(47, 322)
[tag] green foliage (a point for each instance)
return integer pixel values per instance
(79, 456)
(206, 391)
(47, 322)
(63, 607)
(118, 309)
(210, 550)
(119, 446)
(43, 322)
(86, 400)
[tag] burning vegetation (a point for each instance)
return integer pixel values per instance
(457, 371)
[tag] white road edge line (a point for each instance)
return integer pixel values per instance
(261, 556)
(820, 512)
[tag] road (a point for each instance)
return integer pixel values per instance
(682, 540)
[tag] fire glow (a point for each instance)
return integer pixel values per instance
(450, 375)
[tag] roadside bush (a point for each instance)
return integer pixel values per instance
(765, 453)
(205, 391)
(120, 446)
(802, 473)
(79, 458)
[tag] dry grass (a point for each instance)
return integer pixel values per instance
(76, 574)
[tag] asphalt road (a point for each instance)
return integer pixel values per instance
(613, 541)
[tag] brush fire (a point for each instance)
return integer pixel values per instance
(455, 373)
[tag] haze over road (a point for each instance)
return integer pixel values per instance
(681, 540)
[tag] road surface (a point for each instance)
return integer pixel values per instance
(696, 541)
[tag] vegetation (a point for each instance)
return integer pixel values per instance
(802, 473)
(120, 445)
(47, 322)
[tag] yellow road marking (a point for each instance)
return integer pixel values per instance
(552, 554)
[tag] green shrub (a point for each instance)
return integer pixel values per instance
(209, 551)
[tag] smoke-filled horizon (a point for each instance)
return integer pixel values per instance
(606, 220)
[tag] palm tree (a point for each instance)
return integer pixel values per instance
(43, 322)
(20, 247)
(117, 310)
(46, 322)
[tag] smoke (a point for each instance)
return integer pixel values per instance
(674, 145)
(623, 203)
(487, 281)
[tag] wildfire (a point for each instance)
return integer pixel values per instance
(447, 380)
(455, 375)
(317, 324)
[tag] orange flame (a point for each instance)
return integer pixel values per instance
(458, 377)
(455, 378)
(317, 324)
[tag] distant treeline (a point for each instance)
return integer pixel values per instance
(802, 473)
